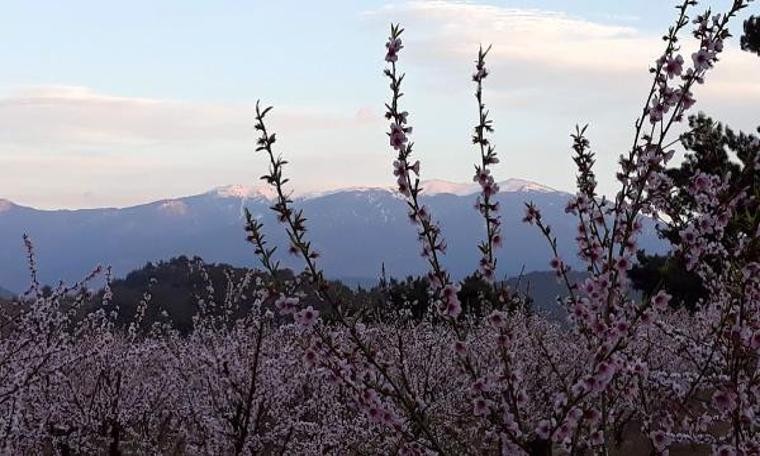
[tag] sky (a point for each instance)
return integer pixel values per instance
(121, 103)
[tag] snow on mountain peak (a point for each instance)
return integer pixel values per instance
(174, 207)
(429, 188)
(523, 185)
(5, 205)
(246, 192)
(357, 189)
(438, 186)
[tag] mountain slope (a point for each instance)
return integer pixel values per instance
(355, 230)
(6, 294)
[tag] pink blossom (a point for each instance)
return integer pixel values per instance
(674, 66)
(393, 47)
(480, 407)
(687, 101)
(755, 341)
(307, 317)
(497, 240)
(702, 59)
(544, 429)
(397, 136)
(531, 215)
(724, 450)
(661, 440)
(480, 386)
(415, 168)
(657, 110)
(452, 307)
(286, 305)
(310, 358)
(660, 300)
(724, 400)
(497, 319)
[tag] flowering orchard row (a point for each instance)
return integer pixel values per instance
(625, 376)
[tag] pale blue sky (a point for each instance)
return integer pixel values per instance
(115, 103)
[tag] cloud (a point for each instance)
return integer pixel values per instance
(539, 48)
(82, 117)
(546, 38)
(81, 139)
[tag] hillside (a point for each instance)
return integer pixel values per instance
(6, 294)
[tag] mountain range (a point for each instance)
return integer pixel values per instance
(355, 230)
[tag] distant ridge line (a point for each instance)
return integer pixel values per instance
(264, 192)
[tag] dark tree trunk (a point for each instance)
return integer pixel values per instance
(113, 448)
(540, 447)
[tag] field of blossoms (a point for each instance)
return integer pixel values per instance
(262, 372)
